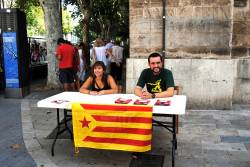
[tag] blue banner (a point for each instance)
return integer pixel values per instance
(10, 60)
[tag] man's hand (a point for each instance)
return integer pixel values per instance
(142, 93)
(146, 95)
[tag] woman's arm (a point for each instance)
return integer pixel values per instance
(84, 88)
(113, 85)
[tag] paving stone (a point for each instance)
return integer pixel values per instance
(247, 145)
(190, 153)
(238, 156)
(215, 155)
(147, 160)
(224, 126)
(241, 124)
(188, 162)
(235, 139)
(225, 132)
(245, 133)
(223, 146)
(239, 163)
(212, 163)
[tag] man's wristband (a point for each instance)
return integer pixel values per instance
(153, 95)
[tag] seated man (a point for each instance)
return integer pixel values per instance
(159, 81)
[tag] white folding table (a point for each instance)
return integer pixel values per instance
(63, 101)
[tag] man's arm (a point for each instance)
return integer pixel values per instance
(142, 93)
(168, 93)
(138, 91)
(58, 53)
(59, 57)
(146, 95)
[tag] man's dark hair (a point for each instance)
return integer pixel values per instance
(155, 54)
(60, 40)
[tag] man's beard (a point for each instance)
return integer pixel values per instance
(157, 71)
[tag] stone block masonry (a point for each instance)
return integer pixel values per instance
(196, 29)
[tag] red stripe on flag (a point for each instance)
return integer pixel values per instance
(122, 119)
(116, 107)
(122, 130)
(118, 141)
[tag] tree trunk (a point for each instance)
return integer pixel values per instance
(53, 26)
(85, 33)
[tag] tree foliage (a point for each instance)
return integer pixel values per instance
(66, 21)
(35, 21)
(108, 18)
(35, 18)
(110, 15)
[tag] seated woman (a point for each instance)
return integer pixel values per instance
(99, 83)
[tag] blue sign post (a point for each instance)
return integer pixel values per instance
(15, 53)
(10, 60)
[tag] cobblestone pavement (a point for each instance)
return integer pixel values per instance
(207, 138)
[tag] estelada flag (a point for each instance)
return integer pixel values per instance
(113, 127)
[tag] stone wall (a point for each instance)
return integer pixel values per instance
(198, 28)
(194, 28)
(215, 31)
(208, 84)
(241, 50)
(241, 29)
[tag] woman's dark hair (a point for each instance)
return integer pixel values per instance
(104, 77)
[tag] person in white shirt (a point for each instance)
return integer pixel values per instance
(82, 66)
(109, 44)
(99, 52)
(116, 60)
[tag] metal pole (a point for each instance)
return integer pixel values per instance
(163, 30)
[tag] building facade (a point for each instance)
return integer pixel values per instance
(206, 44)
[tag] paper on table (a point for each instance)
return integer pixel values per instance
(122, 101)
(163, 102)
(141, 102)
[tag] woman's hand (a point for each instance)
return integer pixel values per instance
(102, 92)
(93, 93)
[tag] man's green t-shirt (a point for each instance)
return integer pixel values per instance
(156, 83)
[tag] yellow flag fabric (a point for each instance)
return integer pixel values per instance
(113, 127)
